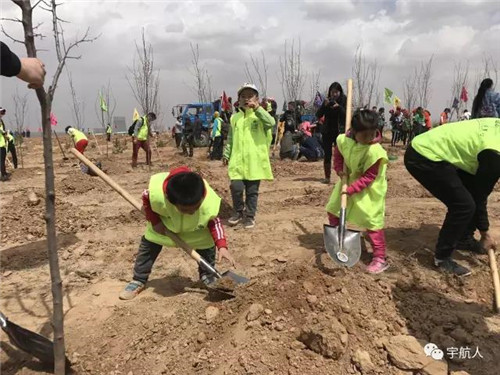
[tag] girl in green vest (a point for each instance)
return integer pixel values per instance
(459, 163)
(247, 153)
(79, 138)
(366, 163)
(185, 204)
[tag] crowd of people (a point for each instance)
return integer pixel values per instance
(457, 162)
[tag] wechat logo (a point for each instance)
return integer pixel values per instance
(432, 350)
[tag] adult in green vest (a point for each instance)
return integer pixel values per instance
(11, 147)
(184, 203)
(459, 163)
(217, 146)
(140, 139)
(247, 154)
(109, 131)
(79, 138)
(4, 176)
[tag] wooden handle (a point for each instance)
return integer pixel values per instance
(125, 194)
(496, 280)
(59, 143)
(348, 115)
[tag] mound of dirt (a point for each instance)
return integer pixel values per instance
(79, 183)
(298, 320)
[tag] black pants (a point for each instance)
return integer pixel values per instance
(3, 158)
(108, 137)
(328, 143)
(188, 141)
(251, 190)
(217, 148)
(149, 251)
(12, 150)
(178, 139)
(455, 189)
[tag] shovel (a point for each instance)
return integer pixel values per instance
(216, 275)
(60, 147)
(343, 245)
(30, 342)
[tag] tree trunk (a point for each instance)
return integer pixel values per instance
(50, 210)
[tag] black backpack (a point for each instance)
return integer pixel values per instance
(132, 128)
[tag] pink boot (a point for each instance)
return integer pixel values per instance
(378, 265)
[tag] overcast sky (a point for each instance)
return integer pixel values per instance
(397, 34)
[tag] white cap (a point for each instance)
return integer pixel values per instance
(248, 86)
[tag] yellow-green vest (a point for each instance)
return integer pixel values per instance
(143, 133)
(365, 209)
(109, 130)
(193, 229)
(459, 143)
(216, 132)
(249, 158)
(3, 142)
(78, 135)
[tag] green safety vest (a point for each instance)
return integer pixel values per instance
(365, 209)
(193, 229)
(3, 143)
(77, 135)
(109, 130)
(269, 107)
(250, 148)
(143, 133)
(217, 127)
(459, 143)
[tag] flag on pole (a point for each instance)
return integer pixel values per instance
(53, 119)
(397, 101)
(388, 95)
(455, 103)
(104, 107)
(135, 116)
(318, 100)
(225, 102)
(464, 95)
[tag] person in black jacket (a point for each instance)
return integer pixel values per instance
(333, 108)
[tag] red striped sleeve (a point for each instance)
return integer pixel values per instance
(217, 232)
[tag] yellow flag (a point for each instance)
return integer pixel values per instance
(397, 102)
(136, 115)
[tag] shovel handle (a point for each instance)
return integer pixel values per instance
(348, 116)
(496, 280)
(125, 194)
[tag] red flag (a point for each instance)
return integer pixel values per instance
(53, 119)
(225, 103)
(464, 96)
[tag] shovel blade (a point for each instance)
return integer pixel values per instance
(352, 245)
(238, 279)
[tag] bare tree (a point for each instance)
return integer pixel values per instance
(410, 90)
(489, 70)
(423, 83)
(258, 72)
(143, 79)
(314, 84)
(291, 77)
(460, 79)
(202, 78)
(77, 106)
(20, 110)
(46, 98)
(366, 77)
(106, 117)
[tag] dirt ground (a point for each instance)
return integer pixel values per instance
(300, 314)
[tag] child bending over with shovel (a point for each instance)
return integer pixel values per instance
(366, 163)
(185, 204)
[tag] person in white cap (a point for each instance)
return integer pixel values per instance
(247, 154)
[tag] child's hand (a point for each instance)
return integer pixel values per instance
(159, 228)
(225, 161)
(488, 242)
(253, 103)
(224, 253)
(340, 173)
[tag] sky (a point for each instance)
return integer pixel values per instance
(397, 34)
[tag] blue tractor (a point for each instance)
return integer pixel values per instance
(205, 112)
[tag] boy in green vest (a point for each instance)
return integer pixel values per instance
(459, 164)
(185, 204)
(4, 176)
(366, 163)
(216, 136)
(247, 153)
(140, 139)
(109, 131)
